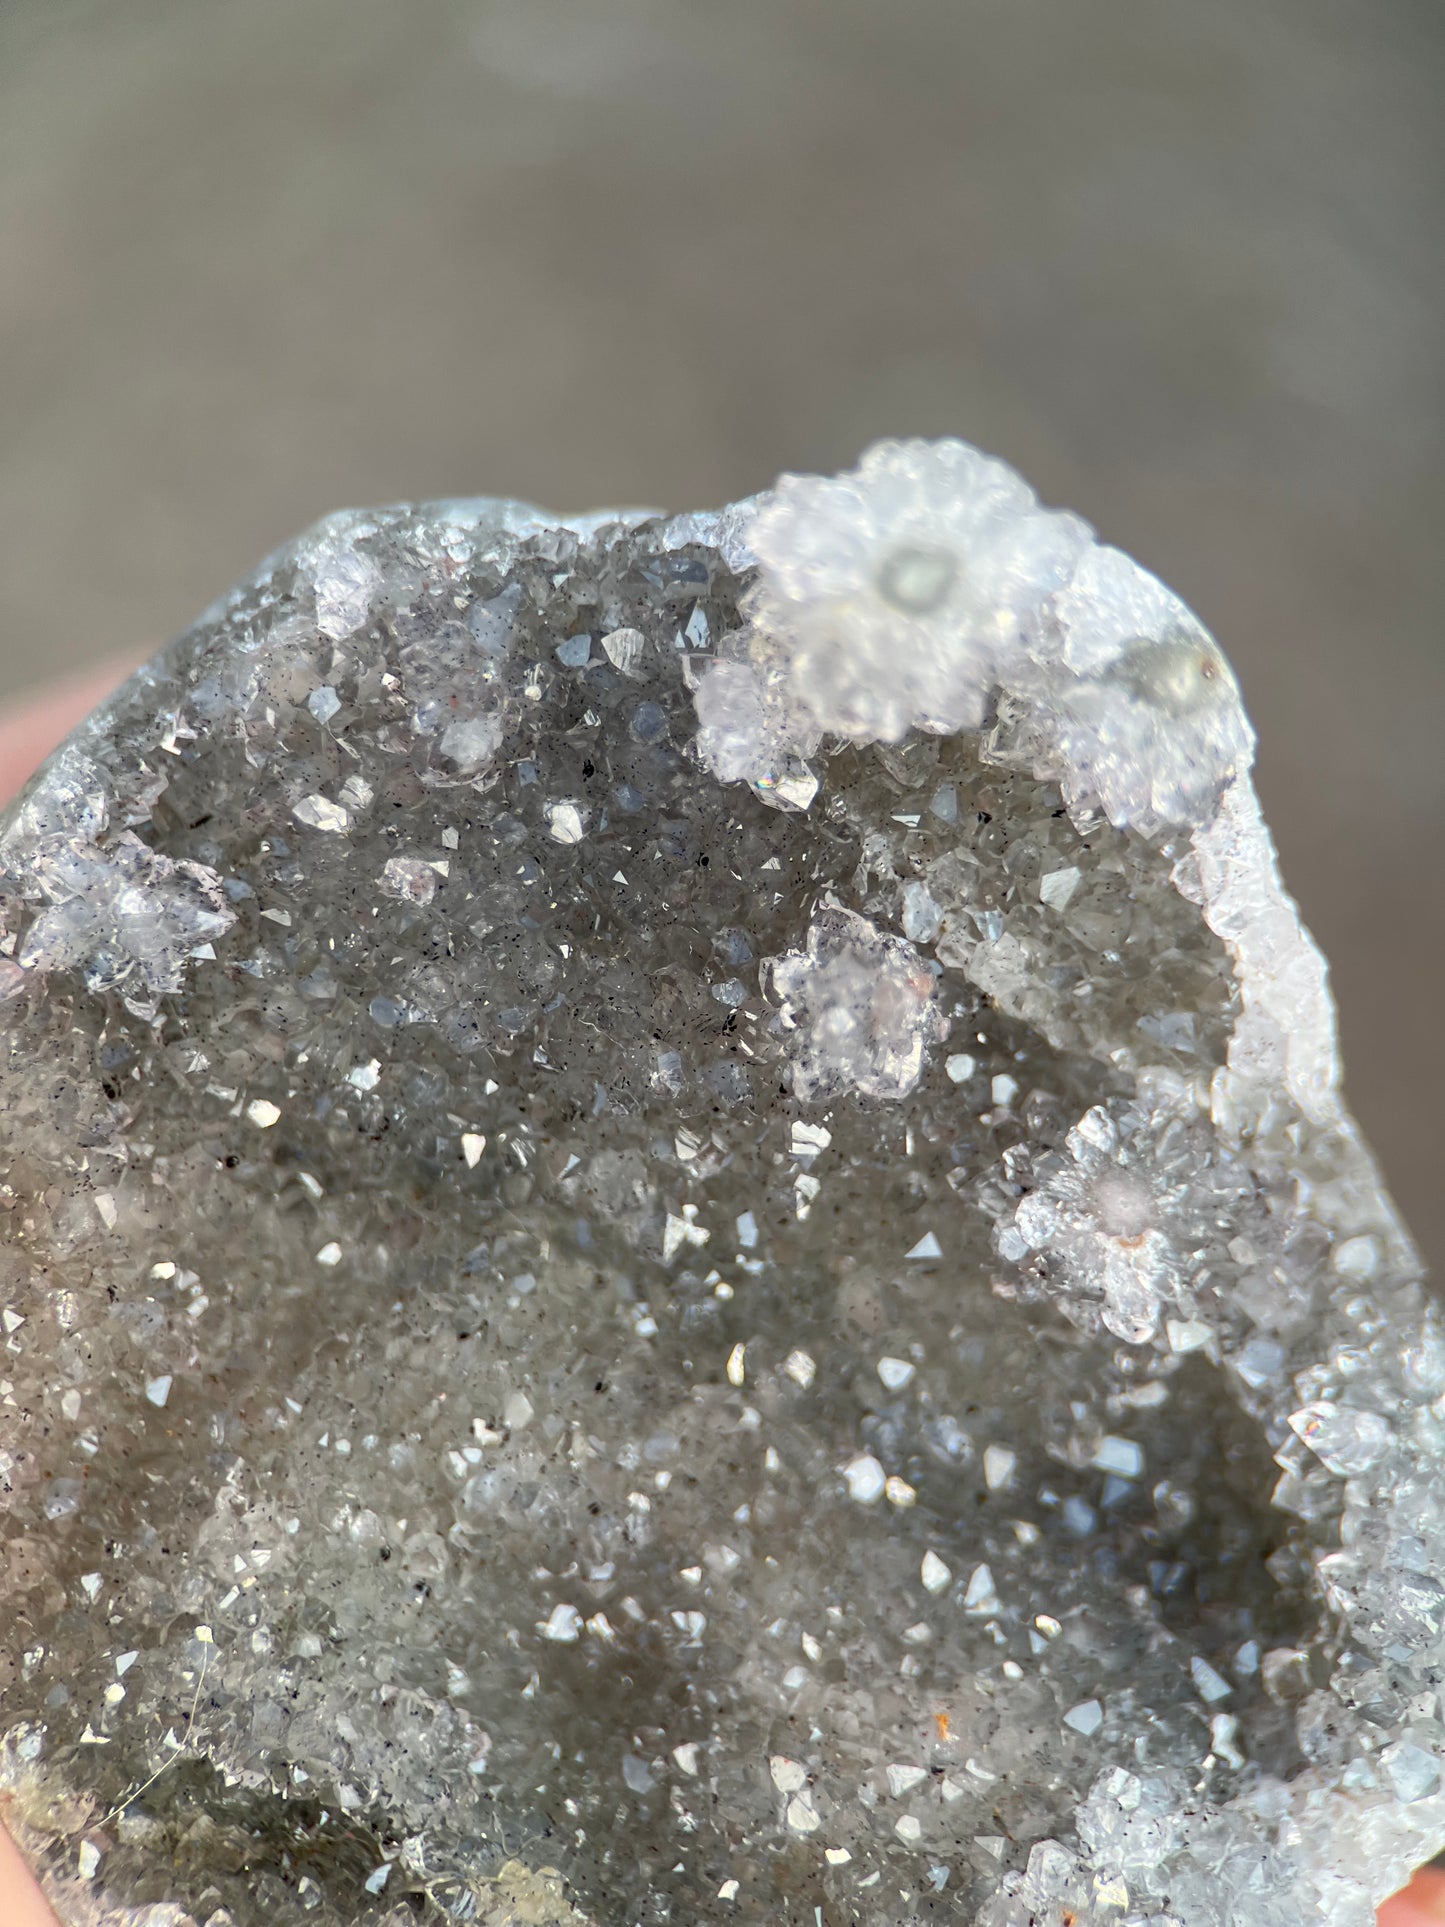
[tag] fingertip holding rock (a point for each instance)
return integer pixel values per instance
(21, 1902)
(1422, 1904)
(31, 726)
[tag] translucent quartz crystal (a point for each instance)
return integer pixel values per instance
(680, 1246)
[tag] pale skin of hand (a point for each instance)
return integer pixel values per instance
(28, 733)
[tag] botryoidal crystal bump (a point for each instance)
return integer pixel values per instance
(680, 1246)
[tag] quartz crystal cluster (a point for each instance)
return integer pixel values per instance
(679, 1246)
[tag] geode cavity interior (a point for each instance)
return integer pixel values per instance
(680, 1246)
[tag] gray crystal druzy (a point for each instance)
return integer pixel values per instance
(680, 1246)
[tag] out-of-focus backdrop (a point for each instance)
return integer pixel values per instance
(1178, 261)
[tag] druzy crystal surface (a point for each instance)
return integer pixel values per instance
(680, 1246)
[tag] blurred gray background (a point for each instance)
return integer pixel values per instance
(1177, 259)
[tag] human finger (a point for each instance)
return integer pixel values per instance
(31, 728)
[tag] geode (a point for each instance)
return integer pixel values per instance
(680, 1246)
